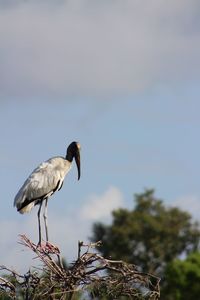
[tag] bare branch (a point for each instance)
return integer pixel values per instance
(90, 272)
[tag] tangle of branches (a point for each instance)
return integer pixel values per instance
(90, 275)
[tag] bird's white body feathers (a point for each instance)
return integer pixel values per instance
(43, 182)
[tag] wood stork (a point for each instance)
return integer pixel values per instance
(44, 181)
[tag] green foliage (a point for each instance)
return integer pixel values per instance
(150, 235)
(4, 296)
(37, 286)
(182, 279)
(90, 276)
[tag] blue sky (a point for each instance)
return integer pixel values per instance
(120, 77)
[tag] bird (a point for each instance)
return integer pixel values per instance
(44, 181)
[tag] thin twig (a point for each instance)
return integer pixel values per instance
(90, 271)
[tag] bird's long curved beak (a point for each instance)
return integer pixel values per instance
(78, 162)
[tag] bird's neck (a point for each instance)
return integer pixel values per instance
(69, 156)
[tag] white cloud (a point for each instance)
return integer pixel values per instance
(99, 207)
(12, 254)
(96, 47)
(189, 203)
(64, 230)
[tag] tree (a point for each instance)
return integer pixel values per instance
(182, 278)
(150, 235)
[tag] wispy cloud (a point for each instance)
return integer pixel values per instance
(64, 230)
(87, 47)
(189, 203)
(100, 207)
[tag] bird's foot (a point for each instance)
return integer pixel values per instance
(52, 248)
(41, 246)
(48, 248)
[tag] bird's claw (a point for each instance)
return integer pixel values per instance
(48, 248)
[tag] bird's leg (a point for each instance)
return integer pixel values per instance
(45, 219)
(39, 225)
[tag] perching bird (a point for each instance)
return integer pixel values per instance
(44, 181)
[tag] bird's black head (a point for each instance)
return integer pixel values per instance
(73, 151)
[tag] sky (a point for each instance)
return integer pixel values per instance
(122, 78)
